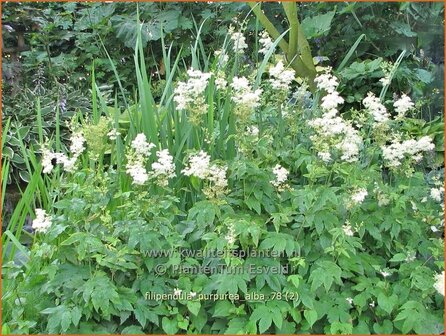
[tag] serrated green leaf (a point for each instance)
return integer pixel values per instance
(310, 316)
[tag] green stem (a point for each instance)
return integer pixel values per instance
(266, 23)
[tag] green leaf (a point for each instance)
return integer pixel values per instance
(424, 75)
(310, 316)
(385, 328)
(277, 319)
(132, 330)
(387, 303)
(222, 309)
(169, 326)
(294, 279)
(194, 307)
(317, 25)
(341, 328)
(398, 257)
(65, 320)
(403, 28)
(265, 322)
(76, 314)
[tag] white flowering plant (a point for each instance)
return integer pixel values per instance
(346, 206)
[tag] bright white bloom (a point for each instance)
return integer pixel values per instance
(113, 134)
(439, 283)
(141, 146)
(384, 274)
(385, 81)
(220, 83)
(243, 93)
(42, 222)
(436, 194)
(349, 146)
(47, 158)
(281, 78)
(374, 106)
(372, 304)
(327, 82)
(395, 153)
(434, 229)
(403, 105)
(281, 175)
(240, 84)
(177, 292)
(217, 175)
(193, 294)
(347, 228)
(198, 165)
(239, 42)
(186, 93)
(324, 156)
(138, 172)
(349, 300)
(265, 41)
(252, 130)
(164, 167)
(69, 164)
(330, 127)
(77, 143)
(359, 196)
(331, 101)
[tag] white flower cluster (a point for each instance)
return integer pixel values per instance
(376, 109)
(189, 95)
(265, 41)
(220, 83)
(281, 78)
(137, 157)
(141, 146)
(76, 148)
(359, 196)
(395, 153)
(324, 156)
(200, 166)
(113, 134)
(331, 128)
(436, 194)
(281, 177)
(239, 42)
(439, 283)
(163, 169)
(347, 228)
(327, 81)
(42, 222)
(403, 105)
(252, 131)
(244, 95)
(231, 236)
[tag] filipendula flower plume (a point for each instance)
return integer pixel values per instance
(439, 283)
(42, 222)
(331, 130)
(281, 78)
(137, 158)
(190, 95)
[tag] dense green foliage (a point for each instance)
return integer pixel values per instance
(341, 190)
